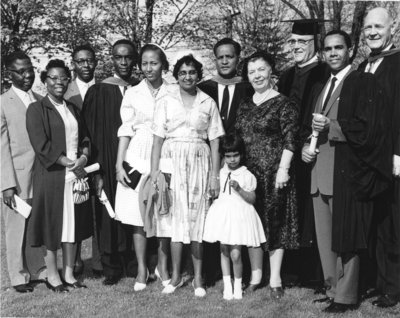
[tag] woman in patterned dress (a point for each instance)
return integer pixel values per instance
(268, 124)
(184, 121)
(134, 151)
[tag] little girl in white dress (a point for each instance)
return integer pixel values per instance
(232, 219)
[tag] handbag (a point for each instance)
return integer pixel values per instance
(134, 175)
(80, 190)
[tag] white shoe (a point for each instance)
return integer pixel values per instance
(199, 291)
(169, 289)
(163, 282)
(140, 286)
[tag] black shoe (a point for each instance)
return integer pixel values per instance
(327, 300)
(97, 273)
(276, 292)
(23, 288)
(57, 289)
(111, 280)
(372, 292)
(337, 308)
(385, 301)
(252, 288)
(78, 268)
(320, 290)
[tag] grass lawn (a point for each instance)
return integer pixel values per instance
(122, 301)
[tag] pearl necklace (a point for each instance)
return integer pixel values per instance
(259, 98)
(55, 103)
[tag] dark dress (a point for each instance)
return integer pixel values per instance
(267, 130)
(47, 135)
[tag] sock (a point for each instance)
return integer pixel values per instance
(256, 275)
(227, 284)
(237, 288)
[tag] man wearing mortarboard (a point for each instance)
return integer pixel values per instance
(296, 83)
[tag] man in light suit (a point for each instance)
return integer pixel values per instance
(346, 176)
(24, 262)
(84, 64)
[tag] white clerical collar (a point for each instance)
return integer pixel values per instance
(314, 59)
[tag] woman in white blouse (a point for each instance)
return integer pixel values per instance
(134, 151)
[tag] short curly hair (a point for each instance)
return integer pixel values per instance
(54, 64)
(257, 56)
(188, 60)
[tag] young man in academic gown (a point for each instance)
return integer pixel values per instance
(350, 170)
(384, 63)
(84, 64)
(101, 110)
(227, 89)
(303, 266)
(24, 263)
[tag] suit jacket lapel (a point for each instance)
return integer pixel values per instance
(318, 106)
(19, 104)
(336, 93)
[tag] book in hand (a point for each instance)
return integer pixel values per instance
(22, 207)
(133, 175)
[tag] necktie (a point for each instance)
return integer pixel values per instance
(333, 81)
(225, 104)
(125, 88)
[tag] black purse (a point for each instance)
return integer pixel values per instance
(133, 175)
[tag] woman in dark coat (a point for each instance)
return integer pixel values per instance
(59, 139)
(268, 123)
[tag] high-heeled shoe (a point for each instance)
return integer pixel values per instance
(163, 282)
(74, 285)
(57, 289)
(169, 289)
(199, 291)
(141, 286)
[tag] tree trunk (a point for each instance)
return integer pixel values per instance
(359, 11)
(149, 20)
(337, 14)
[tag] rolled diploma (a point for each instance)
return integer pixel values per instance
(314, 136)
(70, 176)
(104, 200)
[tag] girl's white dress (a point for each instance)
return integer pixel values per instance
(230, 219)
(137, 112)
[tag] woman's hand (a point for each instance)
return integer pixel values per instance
(78, 167)
(214, 187)
(122, 177)
(282, 178)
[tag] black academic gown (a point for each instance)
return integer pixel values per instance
(388, 76)
(297, 84)
(101, 111)
(362, 165)
(242, 90)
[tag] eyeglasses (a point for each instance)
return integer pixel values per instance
(23, 72)
(121, 57)
(300, 42)
(184, 73)
(58, 78)
(83, 62)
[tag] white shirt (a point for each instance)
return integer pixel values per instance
(372, 67)
(83, 86)
(26, 97)
(339, 77)
(122, 88)
(231, 89)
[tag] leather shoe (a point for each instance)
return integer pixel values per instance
(57, 289)
(97, 273)
(385, 301)
(327, 300)
(111, 280)
(369, 293)
(276, 292)
(23, 288)
(252, 288)
(337, 308)
(75, 285)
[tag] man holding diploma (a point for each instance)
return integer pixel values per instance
(24, 262)
(351, 168)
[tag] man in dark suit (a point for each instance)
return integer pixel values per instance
(350, 170)
(384, 63)
(84, 64)
(303, 266)
(24, 262)
(101, 111)
(226, 88)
